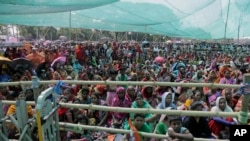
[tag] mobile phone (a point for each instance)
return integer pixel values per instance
(246, 78)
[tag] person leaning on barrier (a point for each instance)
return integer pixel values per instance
(176, 131)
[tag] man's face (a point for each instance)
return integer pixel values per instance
(176, 125)
(131, 92)
(139, 121)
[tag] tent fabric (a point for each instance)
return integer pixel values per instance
(200, 19)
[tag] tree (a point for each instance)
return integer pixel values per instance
(3, 29)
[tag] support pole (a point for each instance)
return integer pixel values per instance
(35, 87)
(243, 114)
(225, 31)
(3, 129)
(70, 28)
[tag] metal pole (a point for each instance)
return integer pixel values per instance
(239, 27)
(70, 26)
(35, 87)
(243, 114)
(225, 31)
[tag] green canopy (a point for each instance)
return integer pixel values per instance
(202, 19)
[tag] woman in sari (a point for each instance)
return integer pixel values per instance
(219, 125)
(212, 78)
(99, 116)
(141, 103)
(167, 100)
(149, 95)
(111, 89)
(120, 100)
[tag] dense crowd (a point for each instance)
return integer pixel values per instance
(124, 61)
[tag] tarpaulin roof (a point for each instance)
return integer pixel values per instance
(202, 19)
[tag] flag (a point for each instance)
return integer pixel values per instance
(58, 86)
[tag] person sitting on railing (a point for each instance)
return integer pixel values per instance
(219, 125)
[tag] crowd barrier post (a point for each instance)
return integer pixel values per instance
(35, 87)
(243, 114)
(47, 116)
(23, 120)
(3, 129)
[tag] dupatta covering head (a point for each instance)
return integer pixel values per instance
(120, 89)
(162, 105)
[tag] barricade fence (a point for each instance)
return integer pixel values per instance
(70, 127)
(211, 85)
(141, 110)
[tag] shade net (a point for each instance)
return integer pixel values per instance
(200, 19)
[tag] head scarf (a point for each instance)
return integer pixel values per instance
(120, 89)
(216, 108)
(162, 105)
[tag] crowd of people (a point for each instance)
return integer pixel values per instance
(124, 61)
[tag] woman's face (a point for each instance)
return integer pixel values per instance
(228, 95)
(227, 74)
(121, 94)
(168, 99)
(139, 101)
(222, 104)
(94, 99)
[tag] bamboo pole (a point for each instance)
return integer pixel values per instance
(211, 85)
(74, 127)
(151, 110)
(140, 110)
(243, 118)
